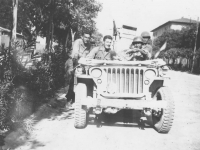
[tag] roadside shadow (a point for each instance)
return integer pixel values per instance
(47, 112)
(123, 118)
(22, 135)
(35, 144)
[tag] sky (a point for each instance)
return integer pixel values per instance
(145, 15)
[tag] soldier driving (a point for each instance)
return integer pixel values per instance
(136, 51)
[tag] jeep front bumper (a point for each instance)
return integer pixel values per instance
(124, 104)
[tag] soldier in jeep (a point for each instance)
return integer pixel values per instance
(147, 42)
(104, 51)
(137, 51)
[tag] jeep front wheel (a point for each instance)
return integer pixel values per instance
(163, 118)
(80, 112)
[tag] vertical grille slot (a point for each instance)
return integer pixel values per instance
(118, 80)
(141, 81)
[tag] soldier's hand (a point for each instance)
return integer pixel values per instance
(132, 51)
(117, 58)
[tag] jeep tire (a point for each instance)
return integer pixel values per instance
(163, 122)
(80, 112)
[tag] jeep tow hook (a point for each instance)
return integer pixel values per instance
(98, 109)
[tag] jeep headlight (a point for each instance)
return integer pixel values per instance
(79, 70)
(96, 73)
(150, 74)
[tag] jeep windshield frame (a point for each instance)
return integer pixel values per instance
(94, 62)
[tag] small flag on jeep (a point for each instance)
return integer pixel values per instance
(163, 47)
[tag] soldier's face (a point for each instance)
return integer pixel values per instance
(107, 43)
(138, 45)
(86, 38)
(145, 39)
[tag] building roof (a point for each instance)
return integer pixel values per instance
(181, 21)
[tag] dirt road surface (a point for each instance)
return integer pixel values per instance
(58, 132)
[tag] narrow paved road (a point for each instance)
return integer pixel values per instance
(60, 134)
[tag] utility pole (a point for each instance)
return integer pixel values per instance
(14, 27)
(195, 47)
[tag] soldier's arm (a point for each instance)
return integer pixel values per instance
(92, 53)
(132, 50)
(147, 51)
(113, 55)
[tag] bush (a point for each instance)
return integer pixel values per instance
(22, 89)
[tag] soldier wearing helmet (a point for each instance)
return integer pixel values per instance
(137, 42)
(147, 43)
(136, 50)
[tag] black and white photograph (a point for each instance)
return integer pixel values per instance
(99, 75)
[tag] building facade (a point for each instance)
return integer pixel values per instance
(5, 37)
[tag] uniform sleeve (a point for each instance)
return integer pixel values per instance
(148, 51)
(92, 53)
(112, 55)
(75, 49)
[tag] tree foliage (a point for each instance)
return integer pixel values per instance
(40, 17)
(179, 43)
(36, 16)
(43, 79)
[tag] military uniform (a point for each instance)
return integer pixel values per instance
(138, 52)
(148, 49)
(147, 44)
(79, 50)
(100, 53)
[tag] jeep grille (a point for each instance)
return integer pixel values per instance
(127, 80)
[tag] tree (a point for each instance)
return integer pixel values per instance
(97, 38)
(6, 14)
(36, 16)
(181, 43)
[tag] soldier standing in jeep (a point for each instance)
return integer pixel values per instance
(103, 52)
(147, 43)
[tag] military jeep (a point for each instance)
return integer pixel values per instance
(110, 86)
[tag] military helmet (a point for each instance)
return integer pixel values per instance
(137, 39)
(145, 34)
